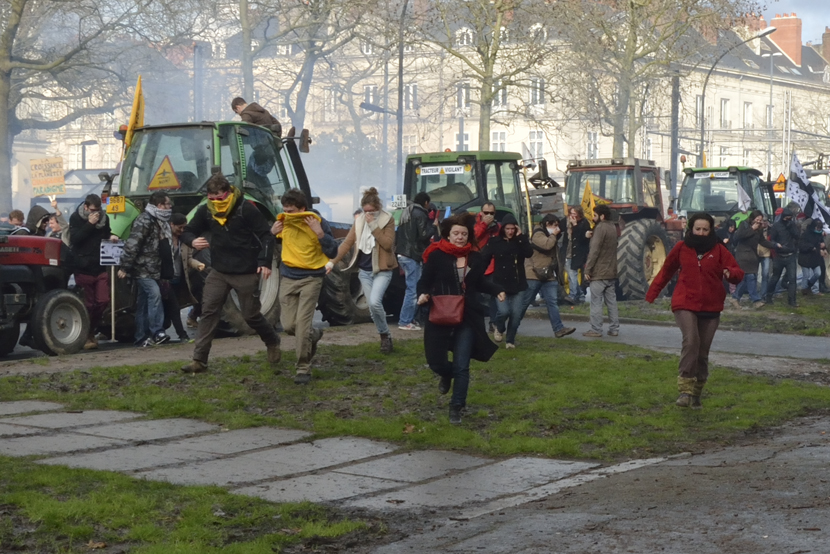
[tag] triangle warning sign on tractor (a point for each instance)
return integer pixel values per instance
(165, 178)
(780, 184)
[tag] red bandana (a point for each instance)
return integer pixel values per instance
(448, 248)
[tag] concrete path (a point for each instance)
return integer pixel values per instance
(735, 342)
(282, 465)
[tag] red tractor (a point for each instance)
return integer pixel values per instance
(33, 279)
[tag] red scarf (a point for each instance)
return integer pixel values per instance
(448, 248)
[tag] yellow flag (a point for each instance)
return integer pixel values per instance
(136, 115)
(588, 204)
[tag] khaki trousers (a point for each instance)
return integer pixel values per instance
(698, 333)
(298, 301)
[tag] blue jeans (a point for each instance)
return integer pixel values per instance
(748, 284)
(412, 273)
(374, 287)
(550, 292)
(463, 339)
(763, 276)
(149, 310)
(810, 277)
(575, 291)
(511, 309)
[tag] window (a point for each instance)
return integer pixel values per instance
(410, 96)
(366, 48)
(500, 95)
(370, 95)
(769, 116)
(537, 91)
(283, 112)
(462, 97)
(408, 48)
(747, 122)
(499, 142)
(462, 142)
(648, 149)
(746, 161)
(593, 145)
(699, 110)
(725, 120)
(536, 141)
(410, 144)
(723, 159)
(464, 37)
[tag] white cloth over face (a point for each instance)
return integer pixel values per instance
(367, 240)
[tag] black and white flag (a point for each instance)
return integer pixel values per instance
(801, 191)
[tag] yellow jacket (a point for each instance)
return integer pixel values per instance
(300, 245)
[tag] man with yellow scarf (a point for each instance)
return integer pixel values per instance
(307, 245)
(242, 249)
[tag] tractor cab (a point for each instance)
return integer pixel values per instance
(718, 192)
(463, 181)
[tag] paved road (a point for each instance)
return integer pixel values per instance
(736, 342)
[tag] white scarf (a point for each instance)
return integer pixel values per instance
(367, 239)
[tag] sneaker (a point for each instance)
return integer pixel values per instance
(141, 343)
(510, 345)
(409, 327)
(564, 332)
(455, 414)
(186, 339)
(592, 333)
(316, 335)
(160, 338)
(498, 337)
(302, 378)
(274, 354)
(570, 300)
(195, 366)
(759, 304)
(444, 384)
(192, 323)
(613, 333)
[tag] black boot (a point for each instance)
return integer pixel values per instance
(455, 414)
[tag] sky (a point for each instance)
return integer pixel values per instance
(814, 14)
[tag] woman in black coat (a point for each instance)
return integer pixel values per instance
(452, 268)
(809, 255)
(747, 237)
(509, 250)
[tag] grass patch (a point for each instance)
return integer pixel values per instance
(558, 398)
(54, 509)
(809, 319)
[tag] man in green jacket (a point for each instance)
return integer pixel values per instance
(601, 271)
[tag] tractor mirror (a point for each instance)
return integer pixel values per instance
(104, 177)
(305, 141)
(315, 199)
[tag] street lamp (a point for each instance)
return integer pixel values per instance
(771, 57)
(763, 33)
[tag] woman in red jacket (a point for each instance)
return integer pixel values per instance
(697, 301)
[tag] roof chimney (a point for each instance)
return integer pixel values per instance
(825, 44)
(788, 35)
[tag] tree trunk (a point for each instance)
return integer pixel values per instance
(620, 113)
(5, 146)
(486, 112)
(307, 77)
(246, 59)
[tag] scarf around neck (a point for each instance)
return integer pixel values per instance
(701, 243)
(84, 213)
(221, 209)
(448, 248)
(162, 217)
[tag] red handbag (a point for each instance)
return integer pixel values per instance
(448, 309)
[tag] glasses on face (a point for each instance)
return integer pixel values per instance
(488, 213)
(220, 196)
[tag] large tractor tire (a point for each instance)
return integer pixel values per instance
(60, 323)
(8, 339)
(269, 300)
(641, 253)
(341, 298)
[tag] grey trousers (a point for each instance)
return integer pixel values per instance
(698, 333)
(298, 300)
(604, 290)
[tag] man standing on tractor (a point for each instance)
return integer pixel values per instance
(601, 271)
(412, 237)
(253, 113)
(142, 260)
(242, 249)
(575, 244)
(88, 227)
(307, 246)
(486, 228)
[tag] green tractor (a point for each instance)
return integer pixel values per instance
(179, 158)
(455, 182)
(714, 190)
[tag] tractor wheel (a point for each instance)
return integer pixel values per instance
(8, 339)
(341, 298)
(269, 299)
(60, 323)
(641, 254)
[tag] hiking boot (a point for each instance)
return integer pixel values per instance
(302, 378)
(592, 333)
(386, 343)
(316, 335)
(807, 292)
(498, 337)
(760, 304)
(735, 304)
(91, 343)
(695, 403)
(564, 332)
(684, 400)
(444, 384)
(455, 414)
(195, 366)
(192, 323)
(686, 387)
(570, 300)
(274, 354)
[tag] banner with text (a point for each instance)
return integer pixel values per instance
(47, 177)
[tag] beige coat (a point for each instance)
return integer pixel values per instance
(602, 256)
(549, 254)
(383, 255)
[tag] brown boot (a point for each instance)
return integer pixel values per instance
(195, 366)
(91, 343)
(386, 343)
(274, 353)
(685, 387)
(696, 392)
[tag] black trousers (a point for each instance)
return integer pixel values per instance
(779, 264)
